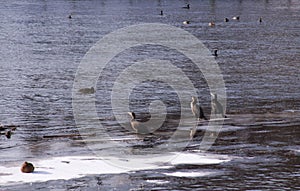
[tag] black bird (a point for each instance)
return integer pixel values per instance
(216, 106)
(226, 19)
(187, 6)
(161, 12)
(215, 52)
(260, 19)
(197, 109)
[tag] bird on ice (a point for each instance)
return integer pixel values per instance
(137, 126)
(197, 109)
(216, 106)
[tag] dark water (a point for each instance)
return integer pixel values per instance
(41, 49)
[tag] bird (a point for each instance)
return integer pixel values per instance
(8, 134)
(260, 19)
(70, 16)
(161, 12)
(186, 22)
(27, 167)
(236, 18)
(87, 90)
(215, 52)
(137, 126)
(197, 109)
(187, 6)
(226, 19)
(216, 106)
(211, 24)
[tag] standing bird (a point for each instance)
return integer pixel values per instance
(197, 109)
(216, 106)
(137, 126)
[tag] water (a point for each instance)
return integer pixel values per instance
(41, 50)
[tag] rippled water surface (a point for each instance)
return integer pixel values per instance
(41, 49)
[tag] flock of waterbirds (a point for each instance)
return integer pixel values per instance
(197, 110)
(187, 22)
(211, 23)
(137, 126)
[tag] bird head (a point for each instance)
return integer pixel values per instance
(132, 114)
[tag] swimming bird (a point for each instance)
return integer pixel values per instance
(215, 52)
(226, 19)
(70, 16)
(161, 12)
(211, 24)
(187, 6)
(260, 19)
(87, 90)
(216, 106)
(137, 126)
(27, 167)
(197, 109)
(8, 134)
(236, 18)
(186, 22)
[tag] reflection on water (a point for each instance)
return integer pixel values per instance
(41, 49)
